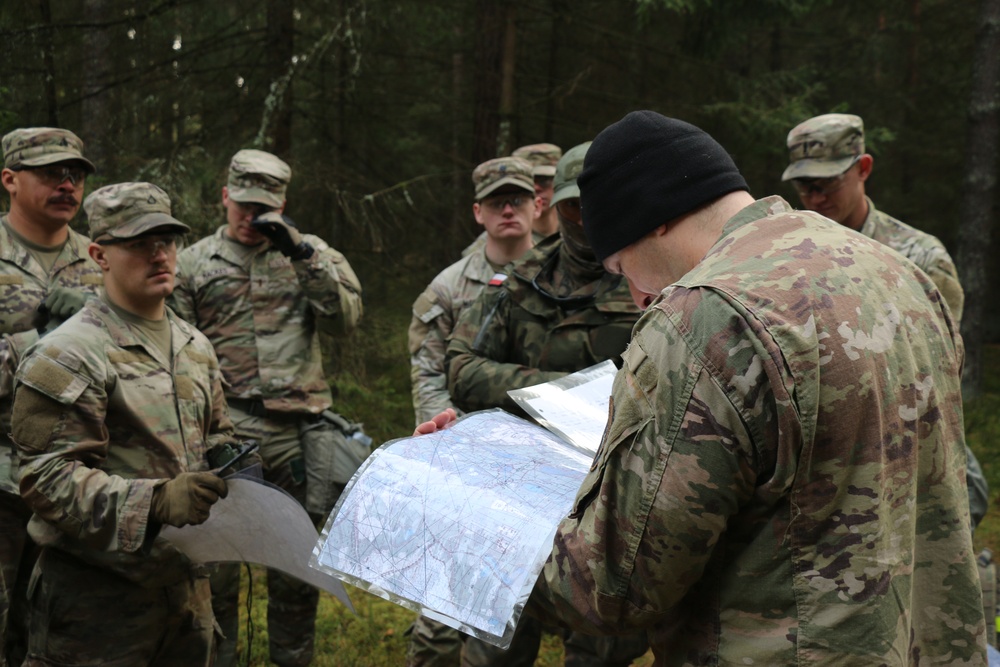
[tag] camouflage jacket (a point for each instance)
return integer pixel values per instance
(264, 318)
(100, 419)
(24, 284)
(921, 248)
(520, 334)
(783, 471)
(930, 255)
(434, 315)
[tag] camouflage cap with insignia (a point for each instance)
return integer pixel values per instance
(567, 171)
(824, 146)
(258, 177)
(127, 210)
(492, 174)
(39, 146)
(543, 157)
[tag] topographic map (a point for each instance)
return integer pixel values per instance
(456, 524)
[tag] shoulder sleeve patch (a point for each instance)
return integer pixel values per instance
(633, 356)
(52, 379)
(34, 419)
(426, 307)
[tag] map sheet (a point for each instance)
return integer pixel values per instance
(456, 524)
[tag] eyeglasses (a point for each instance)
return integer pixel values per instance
(499, 203)
(820, 186)
(253, 209)
(544, 181)
(147, 245)
(570, 209)
(54, 175)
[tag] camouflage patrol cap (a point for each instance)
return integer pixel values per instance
(824, 146)
(258, 177)
(126, 210)
(569, 168)
(491, 174)
(543, 157)
(39, 146)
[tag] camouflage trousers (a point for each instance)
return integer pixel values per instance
(14, 559)
(291, 604)
(581, 650)
(433, 644)
(83, 615)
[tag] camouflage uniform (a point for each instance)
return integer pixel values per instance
(100, 420)
(521, 335)
(264, 314)
(921, 248)
(543, 323)
(434, 315)
(24, 285)
(782, 475)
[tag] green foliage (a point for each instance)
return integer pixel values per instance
(982, 430)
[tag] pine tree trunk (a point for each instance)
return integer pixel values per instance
(490, 24)
(280, 48)
(979, 185)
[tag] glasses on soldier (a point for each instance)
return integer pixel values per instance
(544, 181)
(253, 209)
(499, 203)
(55, 175)
(570, 209)
(147, 246)
(820, 186)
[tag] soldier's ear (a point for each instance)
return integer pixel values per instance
(97, 253)
(865, 164)
(7, 177)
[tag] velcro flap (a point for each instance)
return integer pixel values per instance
(51, 378)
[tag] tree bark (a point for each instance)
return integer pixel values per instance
(490, 26)
(51, 101)
(97, 124)
(280, 46)
(979, 186)
(507, 70)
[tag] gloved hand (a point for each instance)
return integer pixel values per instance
(60, 304)
(187, 498)
(281, 232)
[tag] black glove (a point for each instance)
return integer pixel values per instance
(281, 232)
(60, 305)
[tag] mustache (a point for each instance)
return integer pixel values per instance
(64, 199)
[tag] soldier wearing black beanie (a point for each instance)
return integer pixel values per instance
(646, 170)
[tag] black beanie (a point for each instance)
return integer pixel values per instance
(646, 170)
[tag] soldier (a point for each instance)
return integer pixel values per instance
(113, 416)
(543, 159)
(261, 292)
(505, 206)
(828, 169)
(782, 474)
(45, 273)
(558, 312)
